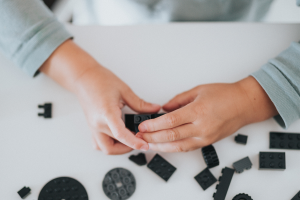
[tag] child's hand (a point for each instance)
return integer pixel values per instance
(207, 114)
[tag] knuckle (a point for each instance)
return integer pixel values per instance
(141, 104)
(172, 120)
(179, 148)
(172, 135)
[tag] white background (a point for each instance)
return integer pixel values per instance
(158, 62)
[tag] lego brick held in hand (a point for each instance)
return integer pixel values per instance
(161, 167)
(47, 110)
(223, 186)
(242, 197)
(272, 160)
(63, 188)
(139, 159)
(205, 179)
(297, 196)
(241, 139)
(242, 164)
(280, 140)
(210, 156)
(132, 121)
(24, 192)
(119, 184)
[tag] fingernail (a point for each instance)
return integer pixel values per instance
(144, 147)
(155, 105)
(139, 136)
(143, 128)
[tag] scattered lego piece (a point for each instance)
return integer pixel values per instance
(210, 156)
(139, 159)
(272, 160)
(24, 192)
(241, 139)
(242, 197)
(242, 164)
(119, 184)
(297, 196)
(63, 188)
(223, 186)
(161, 167)
(205, 179)
(280, 140)
(47, 110)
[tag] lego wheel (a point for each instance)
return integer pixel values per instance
(242, 197)
(210, 156)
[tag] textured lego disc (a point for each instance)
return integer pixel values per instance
(242, 197)
(119, 184)
(63, 188)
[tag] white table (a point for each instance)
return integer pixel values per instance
(157, 61)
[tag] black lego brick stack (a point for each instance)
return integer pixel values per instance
(223, 186)
(280, 140)
(210, 156)
(24, 192)
(205, 179)
(139, 159)
(47, 110)
(297, 196)
(272, 160)
(242, 164)
(241, 139)
(242, 197)
(161, 167)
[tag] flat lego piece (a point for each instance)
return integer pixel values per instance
(223, 186)
(242, 164)
(132, 121)
(161, 167)
(210, 156)
(63, 188)
(280, 140)
(47, 110)
(205, 179)
(241, 139)
(242, 197)
(24, 192)
(297, 196)
(119, 184)
(139, 159)
(272, 160)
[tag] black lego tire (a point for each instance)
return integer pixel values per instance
(210, 156)
(242, 196)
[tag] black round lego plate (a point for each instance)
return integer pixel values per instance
(119, 184)
(63, 188)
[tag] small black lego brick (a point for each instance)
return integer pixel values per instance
(139, 159)
(210, 156)
(241, 139)
(242, 164)
(205, 179)
(47, 110)
(153, 116)
(297, 196)
(24, 192)
(279, 140)
(132, 121)
(223, 186)
(129, 122)
(119, 184)
(272, 160)
(242, 196)
(161, 167)
(63, 188)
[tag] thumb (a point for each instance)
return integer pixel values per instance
(137, 104)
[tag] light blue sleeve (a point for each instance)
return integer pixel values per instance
(29, 33)
(280, 78)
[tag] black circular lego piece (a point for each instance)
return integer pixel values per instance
(242, 197)
(210, 156)
(63, 188)
(119, 184)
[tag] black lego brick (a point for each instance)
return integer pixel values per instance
(24, 192)
(139, 159)
(242, 164)
(279, 140)
(47, 110)
(297, 196)
(272, 160)
(241, 139)
(161, 167)
(129, 122)
(205, 179)
(223, 186)
(210, 156)
(132, 121)
(242, 197)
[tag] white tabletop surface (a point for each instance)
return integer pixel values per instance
(157, 62)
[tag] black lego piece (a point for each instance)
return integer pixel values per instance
(205, 179)
(272, 160)
(119, 184)
(297, 196)
(63, 188)
(139, 159)
(24, 192)
(129, 123)
(242, 164)
(223, 186)
(241, 139)
(210, 156)
(242, 196)
(161, 167)
(280, 140)
(47, 110)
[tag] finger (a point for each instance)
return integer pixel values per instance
(170, 120)
(137, 104)
(94, 142)
(109, 146)
(180, 100)
(184, 145)
(170, 135)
